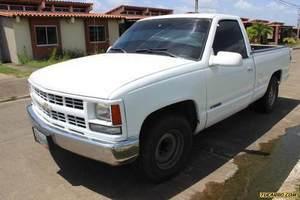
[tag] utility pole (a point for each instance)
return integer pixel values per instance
(196, 6)
(298, 24)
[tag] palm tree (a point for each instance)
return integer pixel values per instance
(258, 32)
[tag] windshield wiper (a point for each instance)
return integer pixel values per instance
(118, 49)
(156, 50)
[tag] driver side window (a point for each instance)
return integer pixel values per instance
(229, 37)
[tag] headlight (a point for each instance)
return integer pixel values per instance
(108, 113)
(102, 112)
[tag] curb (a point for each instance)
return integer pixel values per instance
(291, 182)
(14, 98)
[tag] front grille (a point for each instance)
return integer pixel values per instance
(58, 116)
(76, 121)
(41, 94)
(74, 103)
(55, 99)
(59, 100)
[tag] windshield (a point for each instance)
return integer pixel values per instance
(176, 37)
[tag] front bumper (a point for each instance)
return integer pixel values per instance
(110, 153)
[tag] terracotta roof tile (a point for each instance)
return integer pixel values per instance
(57, 14)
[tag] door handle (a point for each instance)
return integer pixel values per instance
(249, 69)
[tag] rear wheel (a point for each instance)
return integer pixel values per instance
(267, 102)
(165, 147)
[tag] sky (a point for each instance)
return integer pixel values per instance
(254, 9)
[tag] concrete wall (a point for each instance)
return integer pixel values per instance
(15, 39)
(2, 45)
(73, 35)
(113, 31)
(22, 37)
(8, 37)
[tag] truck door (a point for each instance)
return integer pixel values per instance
(229, 89)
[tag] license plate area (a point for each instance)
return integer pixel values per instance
(40, 137)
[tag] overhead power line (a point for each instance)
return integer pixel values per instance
(293, 5)
(288, 3)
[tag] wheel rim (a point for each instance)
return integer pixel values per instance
(169, 149)
(272, 95)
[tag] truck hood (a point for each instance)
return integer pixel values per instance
(99, 75)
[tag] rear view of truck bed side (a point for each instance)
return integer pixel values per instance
(269, 60)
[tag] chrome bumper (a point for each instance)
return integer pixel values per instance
(110, 153)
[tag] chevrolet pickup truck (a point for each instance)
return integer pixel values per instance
(166, 79)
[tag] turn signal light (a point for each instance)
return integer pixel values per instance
(116, 115)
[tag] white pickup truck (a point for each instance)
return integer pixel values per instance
(166, 79)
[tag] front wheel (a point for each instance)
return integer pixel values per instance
(267, 102)
(165, 147)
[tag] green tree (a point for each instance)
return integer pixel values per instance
(252, 34)
(258, 32)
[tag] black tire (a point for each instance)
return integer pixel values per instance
(165, 147)
(268, 101)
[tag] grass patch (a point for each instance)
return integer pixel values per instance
(26, 69)
(41, 63)
(15, 72)
(29, 65)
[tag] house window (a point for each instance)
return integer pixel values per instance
(16, 7)
(46, 35)
(97, 33)
(31, 8)
(48, 8)
(62, 9)
(78, 10)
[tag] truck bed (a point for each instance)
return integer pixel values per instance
(257, 48)
(269, 59)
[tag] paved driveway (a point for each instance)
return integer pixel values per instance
(11, 87)
(28, 171)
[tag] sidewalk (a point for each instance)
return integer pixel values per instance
(12, 88)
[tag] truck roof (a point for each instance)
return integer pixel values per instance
(193, 15)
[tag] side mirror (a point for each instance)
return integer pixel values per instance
(225, 58)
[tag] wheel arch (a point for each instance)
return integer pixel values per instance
(187, 108)
(278, 75)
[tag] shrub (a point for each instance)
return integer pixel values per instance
(290, 41)
(69, 54)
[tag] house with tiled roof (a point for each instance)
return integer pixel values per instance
(36, 27)
(134, 13)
